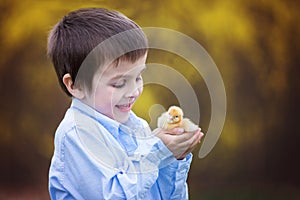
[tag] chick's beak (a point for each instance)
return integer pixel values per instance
(170, 119)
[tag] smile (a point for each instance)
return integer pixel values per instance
(125, 107)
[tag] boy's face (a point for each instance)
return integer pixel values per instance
(115, 90)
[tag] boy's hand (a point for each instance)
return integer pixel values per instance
(180, 143)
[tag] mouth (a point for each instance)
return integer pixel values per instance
(125, 107)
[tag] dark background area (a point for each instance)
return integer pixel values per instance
(255, 45)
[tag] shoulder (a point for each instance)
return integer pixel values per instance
(81, 135)
(76, 124)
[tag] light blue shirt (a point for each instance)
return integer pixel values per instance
(96, 157)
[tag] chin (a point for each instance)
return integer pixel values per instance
(122, 120)
(121, 117)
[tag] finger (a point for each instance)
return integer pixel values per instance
(193, 143)
(185, 141)
(182, 139)
(200, 136)
(175, 131)
(198, 129)
(159, 131)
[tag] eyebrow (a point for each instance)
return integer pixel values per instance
(126, 76)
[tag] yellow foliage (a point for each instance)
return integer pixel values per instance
(254, 44)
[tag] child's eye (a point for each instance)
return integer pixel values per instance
(120, 84)
(139, 78)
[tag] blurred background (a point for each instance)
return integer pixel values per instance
(256, 46)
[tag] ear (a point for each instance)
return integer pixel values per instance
(74, 91)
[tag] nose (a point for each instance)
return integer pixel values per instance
(133, 94)
(134, 90)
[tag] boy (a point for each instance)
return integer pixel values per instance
(102, 149)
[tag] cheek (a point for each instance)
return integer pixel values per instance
(140, 90)
(103, 96)
(141, 87)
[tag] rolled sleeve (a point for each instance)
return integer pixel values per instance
(172, 181)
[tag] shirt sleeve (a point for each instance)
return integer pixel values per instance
(171, 182)
(172, 179)
(91, 166)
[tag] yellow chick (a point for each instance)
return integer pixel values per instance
(174, 118)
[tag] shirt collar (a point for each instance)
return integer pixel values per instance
(111, 125)
(132, 124)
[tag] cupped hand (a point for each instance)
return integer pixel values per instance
(180, 143)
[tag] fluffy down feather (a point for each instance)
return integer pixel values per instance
(174, 118)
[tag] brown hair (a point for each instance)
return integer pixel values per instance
(79, 33)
